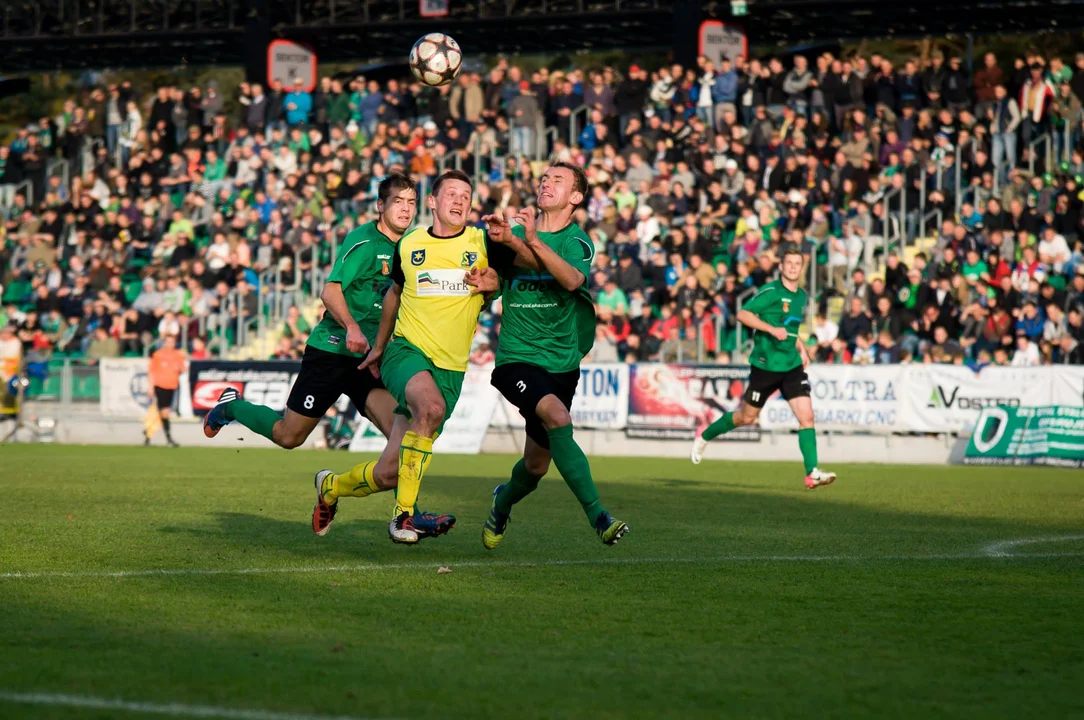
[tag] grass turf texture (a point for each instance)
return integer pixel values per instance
(893, 631)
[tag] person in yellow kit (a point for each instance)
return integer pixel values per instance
(166, 365)
(423, 345)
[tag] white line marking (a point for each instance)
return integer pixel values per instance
(985, 554)
(1003, 548)
(179, 709)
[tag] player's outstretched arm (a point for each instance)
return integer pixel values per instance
(569, 277)
(387, 326)
(751, 321)
(335, 302)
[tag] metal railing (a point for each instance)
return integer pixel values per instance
(573, 135)
(741, 348)
(972, 146)
(1048, 152)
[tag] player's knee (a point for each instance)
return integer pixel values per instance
(430, 413)
(289, 438)
(554, 416)
(537, 466)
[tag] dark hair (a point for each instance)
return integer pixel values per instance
(579, 177)
(392, 184)
(451, 175)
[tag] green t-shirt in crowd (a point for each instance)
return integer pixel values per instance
(364, 271)
(542, 323)
(976, 271)
(779, 307)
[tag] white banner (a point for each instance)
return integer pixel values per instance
(466, 428)
(601, 401)
(948, 398)
(1068, 385)
(845, 396)
(126, 389)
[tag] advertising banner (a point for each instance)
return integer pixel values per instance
(466, 428)
(601, 401)
(1028, 436)
(673, 401)
(949, 398)
(1068, 385)
(126, 389)
(865, 397)
(264, 382)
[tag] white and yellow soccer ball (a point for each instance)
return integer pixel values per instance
(436, 59)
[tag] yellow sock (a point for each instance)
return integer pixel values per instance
(414, 456)
(359, 482)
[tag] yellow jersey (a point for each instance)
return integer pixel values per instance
(437, 313)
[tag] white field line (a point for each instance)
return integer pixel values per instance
(998, 550)
(1003, 549)
(175, 709)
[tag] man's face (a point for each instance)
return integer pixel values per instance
(556, 190)
(792, 267)
(398, 211)
(451, 204)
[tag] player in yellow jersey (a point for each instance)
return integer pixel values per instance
(422, 347)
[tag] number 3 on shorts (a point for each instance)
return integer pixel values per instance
(309, 402)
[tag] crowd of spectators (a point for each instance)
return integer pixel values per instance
(178, 200)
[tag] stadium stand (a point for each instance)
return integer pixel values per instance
(941, 212)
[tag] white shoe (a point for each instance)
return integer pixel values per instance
(818, 478)
(700, 446)
(401, 529)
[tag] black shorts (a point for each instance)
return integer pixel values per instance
(163, 397)
(326, 376)
(525, 385)
(763, 383)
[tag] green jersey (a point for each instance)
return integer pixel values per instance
(779, 307)
(543, 324)
(363, 269)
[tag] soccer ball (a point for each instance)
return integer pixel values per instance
(436, 59)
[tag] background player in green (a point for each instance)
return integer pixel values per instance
(778, 363)
(353, 297)
(547, 326)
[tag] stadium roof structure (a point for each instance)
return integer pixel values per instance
(41, 35)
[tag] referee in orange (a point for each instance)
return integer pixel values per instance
(166, 366)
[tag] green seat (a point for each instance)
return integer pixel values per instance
(132, 291)
(15, 292)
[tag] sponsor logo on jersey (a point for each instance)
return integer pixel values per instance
(333, 339)
(417, 257)
(451, 283)
(469, 258)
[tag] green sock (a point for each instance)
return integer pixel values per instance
(807, 441)
(720, 427)
(574, 468)
(260, 419)
(519, 486)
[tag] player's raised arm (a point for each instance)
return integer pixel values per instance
(567, 276)
(499, 231)
(335, 302)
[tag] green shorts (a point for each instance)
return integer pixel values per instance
(402, 361)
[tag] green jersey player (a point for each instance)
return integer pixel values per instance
(353, 297)
(547, 326)
(778, 363)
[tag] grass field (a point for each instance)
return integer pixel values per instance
(897, 592)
